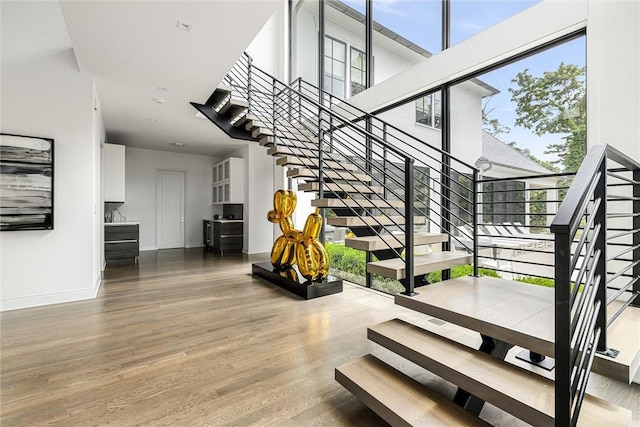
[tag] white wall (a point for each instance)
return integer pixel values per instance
(49, 97)
(140, 185)
(267, 49)
(258, 198)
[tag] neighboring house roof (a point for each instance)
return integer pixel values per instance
(498, 153)
(354, 14)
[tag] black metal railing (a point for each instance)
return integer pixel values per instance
(554, 226)
(299, 118)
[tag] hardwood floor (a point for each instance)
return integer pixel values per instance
(190, 338)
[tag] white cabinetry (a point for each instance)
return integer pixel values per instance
(113, 173)
(228, 181)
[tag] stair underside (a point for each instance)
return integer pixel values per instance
(385, 241)
(354, 221)
(394, 268)
(398, 399)
(303, 161)
(219, 94)
(305, 173)
(527, 396)
(340, 188)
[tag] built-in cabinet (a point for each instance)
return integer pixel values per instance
(114, 173)
(121, 241)
(228, 181)
(223, 235)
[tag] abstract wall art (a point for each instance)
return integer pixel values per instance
(26, 183)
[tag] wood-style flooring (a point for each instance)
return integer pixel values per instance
(187, 338)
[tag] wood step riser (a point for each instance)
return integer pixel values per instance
(398, 399)
(374, 243)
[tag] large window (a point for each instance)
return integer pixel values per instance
(358, 71)
(428, 111)
(335, 58)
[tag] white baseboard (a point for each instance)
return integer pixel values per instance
(8, 304)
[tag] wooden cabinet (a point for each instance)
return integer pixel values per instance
(121, 242)
(228, 181)
(223, 235)
(114, 173)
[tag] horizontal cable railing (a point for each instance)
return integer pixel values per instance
(303, 122)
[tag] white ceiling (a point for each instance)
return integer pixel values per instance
(133, 48)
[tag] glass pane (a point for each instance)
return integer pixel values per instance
(304, 41)
(339, 51)
(408, 33)
(215, 194)
(470, 17)
(226, 193)
(338, 69)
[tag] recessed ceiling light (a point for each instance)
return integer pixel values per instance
(184, 26)
(158, 100)
(153, 120)
(162, 89)
(176, 144)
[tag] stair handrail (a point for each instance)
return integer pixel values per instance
(365, 115)
(578, 335)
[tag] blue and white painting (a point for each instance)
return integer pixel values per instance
(26, 183)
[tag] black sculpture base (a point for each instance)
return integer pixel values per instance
(301, 287)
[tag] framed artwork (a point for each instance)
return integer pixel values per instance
(26, 183)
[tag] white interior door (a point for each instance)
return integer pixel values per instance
(170, 210)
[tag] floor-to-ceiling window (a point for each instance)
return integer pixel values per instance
(335, 66)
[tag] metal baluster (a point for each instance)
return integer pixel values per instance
(601, 243)
(408, 226)
(636, 236)
(474, 212)
(562, 328)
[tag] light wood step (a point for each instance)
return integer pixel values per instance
(624, 336)
(382, 242)
(267, 141)
(291, 161)
(525, 395)
(354, 221)
(281, 150)
(233, 106)
(341, 187)
(398, 399)
(513, 312)
(394, 268)
(357, 203)
(240, 120)
(328, 174)
(263, 130)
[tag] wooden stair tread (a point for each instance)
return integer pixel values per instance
(219, 94)
(398, 399)
(340, 188)
(394, 268)
(354, 221)
(525, 395)
(302, 152)
(357, 203)
(374, 243)
(514, 312)
(233, 105)
(624, 336)
(328, 174)
(303, 161)
(267, 141)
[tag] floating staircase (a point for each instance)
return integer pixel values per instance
(363, 171)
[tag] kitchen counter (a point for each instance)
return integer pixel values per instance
(228, 220)
(122, 223)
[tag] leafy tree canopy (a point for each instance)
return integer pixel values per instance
(554, 103)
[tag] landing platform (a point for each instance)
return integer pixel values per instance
(301, 287)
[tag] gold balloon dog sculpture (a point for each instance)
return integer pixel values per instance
(295, 246)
